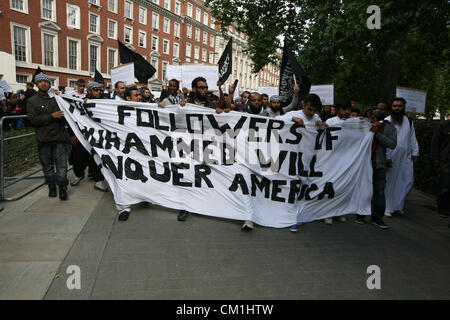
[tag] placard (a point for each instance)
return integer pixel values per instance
(325, 92)
(123, 73)
(415, 99)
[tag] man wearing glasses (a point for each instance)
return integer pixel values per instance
(79, 91)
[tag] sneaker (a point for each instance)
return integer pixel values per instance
(398, 213)
(293, 228)
(388, 214)
(52, 190)
(63, 193)
(379, 223)
(328, 221)
(342, 219)
(360, 220)
(182, 215)
(101, 185)
(124, 214)
(247, 226)
(76, 181)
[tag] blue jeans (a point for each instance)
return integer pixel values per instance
(53, 158)
(378, 199)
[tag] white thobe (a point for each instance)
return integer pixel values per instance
(400, 178)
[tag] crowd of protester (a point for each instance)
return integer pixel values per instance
(394, 148)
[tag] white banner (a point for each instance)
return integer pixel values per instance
(325, 92)
(415, 99)
(230, 165)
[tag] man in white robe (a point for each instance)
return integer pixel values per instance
(400, 173)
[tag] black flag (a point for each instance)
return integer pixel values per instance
(289, 68)
(226, 62)
(38, 70)
(98, 77)
(142, 69)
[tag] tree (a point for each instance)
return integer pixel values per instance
(335, 46)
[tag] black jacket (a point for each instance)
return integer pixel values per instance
(440, 144)
(39, 111)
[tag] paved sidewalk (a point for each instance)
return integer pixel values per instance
(153, 256)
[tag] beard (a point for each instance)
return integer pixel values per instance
(397, 116)
(199, 96)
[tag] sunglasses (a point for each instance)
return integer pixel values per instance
(203, 87)
(97, 89)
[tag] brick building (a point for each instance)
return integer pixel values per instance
(68, 39)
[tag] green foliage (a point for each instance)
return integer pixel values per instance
(334, 44)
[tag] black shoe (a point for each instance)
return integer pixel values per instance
(379, 223)
(63, 193)
(123, 215)
(360, 220)
(52, 190)
(182, 215)
(444, 213)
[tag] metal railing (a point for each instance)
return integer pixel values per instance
(19, 159)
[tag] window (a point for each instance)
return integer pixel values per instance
(155, 21)
(155, 43)
(189, 31)
(189, 10)
(94, 61)
(177, 7)
(166, 44)
(211, 41)
(188, 49)
(197, 34)
(112, 5)
(154, 63)
(205, 18)
(205, 37)
(166, 25)
(112, 29)
(142, 39)
(21, 78)
(128, 34)
(198, 14)
(94, 23)
(48, 48)
(176, 29)
(176, 48)
(164, 69)
(196, 52)
(73, 53)
(128, 9)
(204, 54)
(73, 16)
(167, 4)
(94, 2)
(212, 22)
(142, 15)
(53, 81)
(112, 59)
(21, 39)
(156, 1)
(72, 83)
(211, 57)
(48, 9)
(19, 5)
